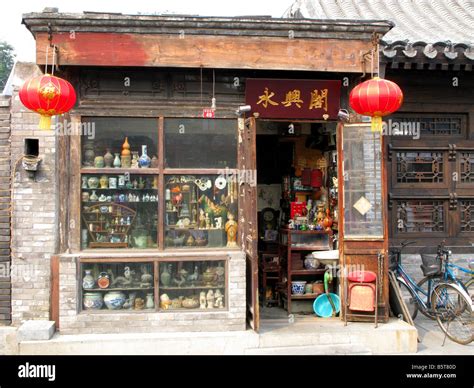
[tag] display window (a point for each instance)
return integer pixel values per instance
(200, 211)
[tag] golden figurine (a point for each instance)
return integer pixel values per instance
(231, 230)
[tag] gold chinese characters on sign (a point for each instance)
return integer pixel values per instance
(318, 99)
(288, 98)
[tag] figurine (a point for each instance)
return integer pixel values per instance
(202, 219)
(146, 278)
(208, 221)
(122, 281)
(210, 299)
(134, 159)
(218, 221)
(219, 299)
(231, 230)
(181, 281)
(140, 303)
(165, 301)
(202, 300)
(194, 276)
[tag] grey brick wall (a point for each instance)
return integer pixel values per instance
(72, 321)
(34, 212)
(5, 199)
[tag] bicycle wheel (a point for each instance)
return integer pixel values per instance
(424, 284)
(453, 313)
(409, 300)
(470, 288)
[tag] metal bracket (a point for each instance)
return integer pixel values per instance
(390, 201)
(453, 201)
(389, 152)
(452, 152)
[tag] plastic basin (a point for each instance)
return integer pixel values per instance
(322, 306)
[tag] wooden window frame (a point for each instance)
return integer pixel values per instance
(74, 179)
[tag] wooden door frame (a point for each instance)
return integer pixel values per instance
(362, 249)
(248, 227)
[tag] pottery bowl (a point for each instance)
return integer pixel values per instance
(190, 303)
(297, 287)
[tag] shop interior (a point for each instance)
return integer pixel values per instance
(297, 217)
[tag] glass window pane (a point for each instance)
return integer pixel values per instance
(192, 285)
(105, 137)
(117, 286)
(200, 143)
(362, 182)
(200, 211)
(119, 211)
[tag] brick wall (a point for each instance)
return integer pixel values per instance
(74, 322)
(5, 198)
(34, 212)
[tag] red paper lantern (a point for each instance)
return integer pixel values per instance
(376, 98)
(49, 96)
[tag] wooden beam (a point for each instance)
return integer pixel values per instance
(231, 52)
(54, 304)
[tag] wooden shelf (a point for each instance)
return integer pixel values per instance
(308, 271)
(191, 287)
(306, 248)
(304, 297)
(118, 289)
(112, 170)
(118, 188)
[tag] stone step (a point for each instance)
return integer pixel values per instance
(330, 350)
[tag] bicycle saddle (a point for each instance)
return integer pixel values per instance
(429, 270)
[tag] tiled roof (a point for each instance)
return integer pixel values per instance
(422, 27)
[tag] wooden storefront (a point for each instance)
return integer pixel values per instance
(155, 74)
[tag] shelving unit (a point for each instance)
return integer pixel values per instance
(315, 240)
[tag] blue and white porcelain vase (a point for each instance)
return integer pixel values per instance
(144, 161)
(92, 301)
(88, 281)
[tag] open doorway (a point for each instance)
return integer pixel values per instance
(297, 203)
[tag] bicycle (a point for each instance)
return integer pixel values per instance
(448, 273)
(448, 302)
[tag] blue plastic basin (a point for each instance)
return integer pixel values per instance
(322, 305)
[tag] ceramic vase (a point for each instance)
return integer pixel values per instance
(166, 276)
(93, 182)
(93, 197)
(99, 162)
(88, 281)
(89, 154)
(117, 162)
(149, 301)
(144, 161)
(104, 182)
(84, 182)
(108, 158)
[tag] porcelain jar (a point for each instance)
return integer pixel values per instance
(92, 301)
(114, 300)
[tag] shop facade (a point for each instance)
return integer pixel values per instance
(154, 200)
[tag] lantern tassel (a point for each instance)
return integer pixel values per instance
(376, 124)
(45, 122)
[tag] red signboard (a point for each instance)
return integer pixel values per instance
(294, 99)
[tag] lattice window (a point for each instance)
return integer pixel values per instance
(466, 160)
(420, 216)
(467, 215)
(440, 125)
(426, 167)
